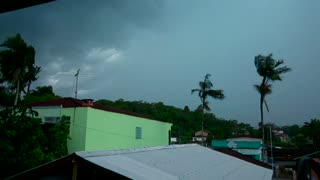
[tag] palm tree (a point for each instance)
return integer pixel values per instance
(17, 64)
(269, 69)
(204, 92)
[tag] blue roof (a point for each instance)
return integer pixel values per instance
(236, 144)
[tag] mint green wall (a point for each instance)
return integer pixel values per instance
(108, 130)
(77, 125)
(94, 129)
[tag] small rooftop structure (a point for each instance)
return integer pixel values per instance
(183, 162)
(202, 133)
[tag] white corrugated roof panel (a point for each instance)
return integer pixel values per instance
(185, 162)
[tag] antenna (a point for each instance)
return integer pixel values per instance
(77, 76)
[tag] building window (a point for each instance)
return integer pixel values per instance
(55, 120)
(51, 120)
(138, 132)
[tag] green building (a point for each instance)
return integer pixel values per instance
(96, 127)
(248, 146)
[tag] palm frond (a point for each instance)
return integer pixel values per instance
(208, 84)
(217, 94)
(282, 70)
(278, 63)
(194, 90)
(257, 87)
(269, 67)
(264, 89)
(207, 76)
(275, 77)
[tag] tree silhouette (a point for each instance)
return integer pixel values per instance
(269, 69)
(17, 65)
(206, 91)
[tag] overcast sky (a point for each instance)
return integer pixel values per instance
(157, 51)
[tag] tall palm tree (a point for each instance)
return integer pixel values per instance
(269, 69)
(17, 64)
(206, 91)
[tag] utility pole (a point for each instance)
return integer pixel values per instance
(77, 76)
(202, 133)
(271, 146)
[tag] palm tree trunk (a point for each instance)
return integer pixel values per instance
(203, 104)
(17, 93)
(262, 127)
(262, 122)
(28, 90)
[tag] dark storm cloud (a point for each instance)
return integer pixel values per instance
(70, 27)
(64, 32)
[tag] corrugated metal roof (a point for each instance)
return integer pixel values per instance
(184, 162)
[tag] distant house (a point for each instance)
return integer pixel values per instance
(201, 136)
(245, 145)
(97, 127)
(183, 162)
(280, 135)
(174, 140)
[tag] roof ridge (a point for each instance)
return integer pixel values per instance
(86, 154)
(68, 102)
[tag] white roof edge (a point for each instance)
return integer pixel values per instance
(85, 154)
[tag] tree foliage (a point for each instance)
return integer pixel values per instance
(26, 143)
(41, 93)
(206, 91)
(311, 130)
(186, 122)
(17, 65)
(269, 69)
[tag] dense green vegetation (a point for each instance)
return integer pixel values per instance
(25, 142)
(186, 122)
